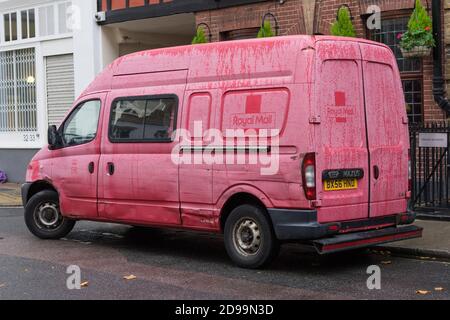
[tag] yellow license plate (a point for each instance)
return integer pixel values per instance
(340, 184)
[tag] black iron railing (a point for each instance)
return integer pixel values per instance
(430, 164)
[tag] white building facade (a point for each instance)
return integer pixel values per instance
(48, 54)
(50, 50)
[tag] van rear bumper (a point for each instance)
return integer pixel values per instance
(304, 225)
(356, 240)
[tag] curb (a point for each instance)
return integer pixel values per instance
(433, 217)
(417, 252)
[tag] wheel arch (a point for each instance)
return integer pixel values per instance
(237, 196)
(39, 186)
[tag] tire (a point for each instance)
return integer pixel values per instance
(249, 238)
(43, 217)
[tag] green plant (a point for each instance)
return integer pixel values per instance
(199, 37)
(266, 30)
(420, 30)
(343, 25)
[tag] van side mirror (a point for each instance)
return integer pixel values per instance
(54, 138)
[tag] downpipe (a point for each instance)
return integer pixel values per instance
(439, 90)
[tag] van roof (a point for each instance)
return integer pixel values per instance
(181, 57)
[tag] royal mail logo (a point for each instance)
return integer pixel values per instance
(253, 118)
(254, 121)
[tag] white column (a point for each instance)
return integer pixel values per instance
(86, 43)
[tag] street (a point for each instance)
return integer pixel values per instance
(184, 265)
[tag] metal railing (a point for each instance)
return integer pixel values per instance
(430, 164)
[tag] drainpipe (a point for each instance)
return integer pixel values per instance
(439, 90)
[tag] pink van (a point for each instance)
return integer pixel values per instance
(286, 139)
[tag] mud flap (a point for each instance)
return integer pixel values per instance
(364, 239)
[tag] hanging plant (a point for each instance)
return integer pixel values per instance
(266, 30)
(343, 26)
(199, 37)
(418, 40)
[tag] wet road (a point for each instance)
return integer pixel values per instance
(185, 265)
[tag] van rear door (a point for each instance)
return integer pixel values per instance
(387, 129)
(338, 121)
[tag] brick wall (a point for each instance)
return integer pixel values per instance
(290, 16)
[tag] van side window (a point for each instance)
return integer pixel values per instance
(81, 126)
(143, 119)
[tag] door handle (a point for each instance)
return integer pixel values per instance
(110, 168)
(91, 167)
(376, 172)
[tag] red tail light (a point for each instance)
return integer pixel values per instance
(309, 176)
(409, 171)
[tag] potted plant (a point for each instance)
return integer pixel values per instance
(199, 37)
(266, 30)
(343, 26)
(418, 41)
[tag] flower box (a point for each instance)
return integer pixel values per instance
(416, 52)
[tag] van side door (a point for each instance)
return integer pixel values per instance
(138, 180)
(196, 173)
(76, 162)
(387, 128)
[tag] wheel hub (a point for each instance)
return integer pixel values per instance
(247, 236)
(47, 216)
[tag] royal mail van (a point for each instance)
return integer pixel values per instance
(267, 141)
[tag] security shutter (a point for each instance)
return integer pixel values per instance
(60, 86)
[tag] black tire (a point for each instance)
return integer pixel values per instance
(45, 204)
(245, 223)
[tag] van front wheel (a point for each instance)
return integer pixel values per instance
(249, 238)
(43, 216)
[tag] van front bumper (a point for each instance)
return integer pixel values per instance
(304, 225)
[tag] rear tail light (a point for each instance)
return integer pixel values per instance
(409, 172)
(309, 176)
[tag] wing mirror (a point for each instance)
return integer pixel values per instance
(54, 139)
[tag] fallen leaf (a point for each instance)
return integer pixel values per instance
(425, 258)
(84, 284)
(130, 277)
(386, 262)
(439, 289)
(423, 292)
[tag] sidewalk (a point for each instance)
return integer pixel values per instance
(10, 195)
(435, 242)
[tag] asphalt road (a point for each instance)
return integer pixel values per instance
(185, 265)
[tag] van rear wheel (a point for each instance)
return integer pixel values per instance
(43, 216)
(249, 238)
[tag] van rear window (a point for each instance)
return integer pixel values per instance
(149, 119)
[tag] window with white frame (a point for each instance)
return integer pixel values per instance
(46, 21)
(28, 23)
(10, 26)
(63, 17)
(18, 91)
(42, 21)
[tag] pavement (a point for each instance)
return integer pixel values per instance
(10, 195)
(177, 264)
(435, 242)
